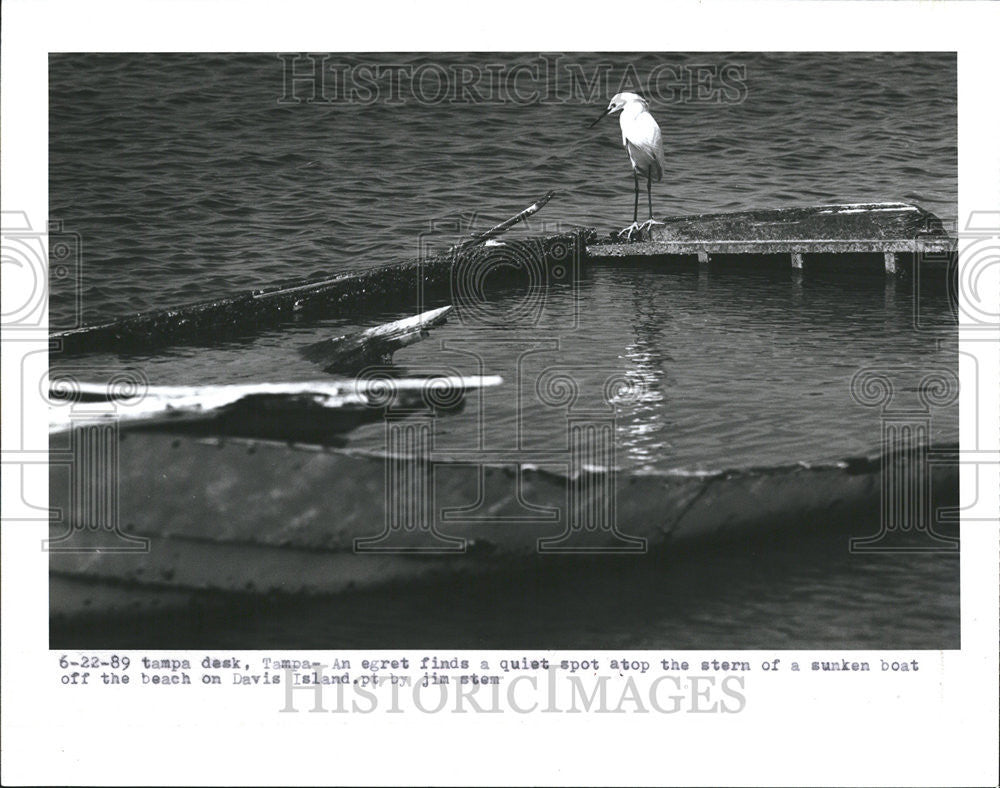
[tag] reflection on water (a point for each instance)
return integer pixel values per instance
(715, 370)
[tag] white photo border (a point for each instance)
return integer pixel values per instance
(935, 728)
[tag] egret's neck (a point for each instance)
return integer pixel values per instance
(631, 111)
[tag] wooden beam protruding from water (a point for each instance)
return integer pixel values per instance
(352, 352)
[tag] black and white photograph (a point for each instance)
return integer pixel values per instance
(500, 376)
(490, 350)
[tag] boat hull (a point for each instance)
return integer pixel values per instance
(256, 517)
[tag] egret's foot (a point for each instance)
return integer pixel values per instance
(649, 223)
(634, 229)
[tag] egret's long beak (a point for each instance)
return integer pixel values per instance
(606, 112)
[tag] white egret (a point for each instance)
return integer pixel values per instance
(641, 138)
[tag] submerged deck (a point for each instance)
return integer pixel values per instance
(892, 230)
(863, 228)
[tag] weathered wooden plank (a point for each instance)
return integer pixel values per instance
(309, 411)
(352, 352)
(851, 228)
(852, 222)
(654, 248)
(501, 228)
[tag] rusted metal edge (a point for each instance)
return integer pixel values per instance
(233, 533)
(412, 284)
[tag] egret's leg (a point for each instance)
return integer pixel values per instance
(649, 197)
(635, 211)
(633, 228)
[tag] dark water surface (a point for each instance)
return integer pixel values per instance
(187, 178)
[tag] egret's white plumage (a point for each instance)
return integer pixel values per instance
(643, 143)
(640, 136)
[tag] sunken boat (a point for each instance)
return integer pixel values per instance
(163, 494)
